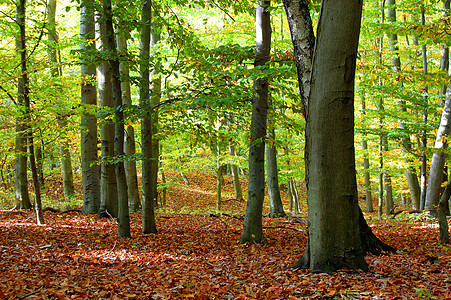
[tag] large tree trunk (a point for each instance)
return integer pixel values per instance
(88, 143)
(252, 228)
(436, 174)
(134, 201)
(332, 186)
(148, 217)
(23, 81)
(122, 197)
(108, 185)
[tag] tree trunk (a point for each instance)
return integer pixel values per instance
(332, 187)
(23, 81)
(122, 197)
(235, 174)
(366, 164)
(108, 185)
(275, 201)
(438, 158)
(134, 201)
(154, 100)
(55, 71)
(148, 217)
(442, 214)
(88, 143)
(21, 159)
(252, 227)
(425, 121)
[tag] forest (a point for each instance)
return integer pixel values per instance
(213, 149)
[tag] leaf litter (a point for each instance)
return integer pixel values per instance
(78, 256)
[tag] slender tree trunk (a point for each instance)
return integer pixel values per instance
(21, 159)
(88, 143)
(129, 139)
(108, 185)
(155, 75)
(235, 174)
(442, 214)
(275, 201)
(425, 121)
(252, 227)
(66, 161)
(122, 197)
(26, 100)
(148, 217)
(366, 164)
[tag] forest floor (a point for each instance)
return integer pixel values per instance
(195, 255)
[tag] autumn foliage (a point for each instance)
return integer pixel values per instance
(79, 256)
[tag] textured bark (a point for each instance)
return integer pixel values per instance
(148, 216)
(134, 201)
(252, 227)
(88, 143)
(332, 186)
(438, 158)
(26, 101)
(302, 36)
(122, 197)
(108, 186)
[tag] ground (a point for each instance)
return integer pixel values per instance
(196, 256)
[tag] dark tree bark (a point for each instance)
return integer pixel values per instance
(23, 81)
(122, 197)
(252, 228)
(148, 217)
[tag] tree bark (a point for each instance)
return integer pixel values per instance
(252, 227)
(121, 188)
(88, 142)
(108, 185)
(23, 81)
(235, 174)
(438, 158)
(131, 173)
(148, 217)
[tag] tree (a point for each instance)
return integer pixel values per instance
(88, 142)
(148, 217)
(122, 197)
(129, 139)
(66, 161)
(276, 207)
(252, 227)
(108, 184)
(25, 95)
(20, 178)
(338, 233)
